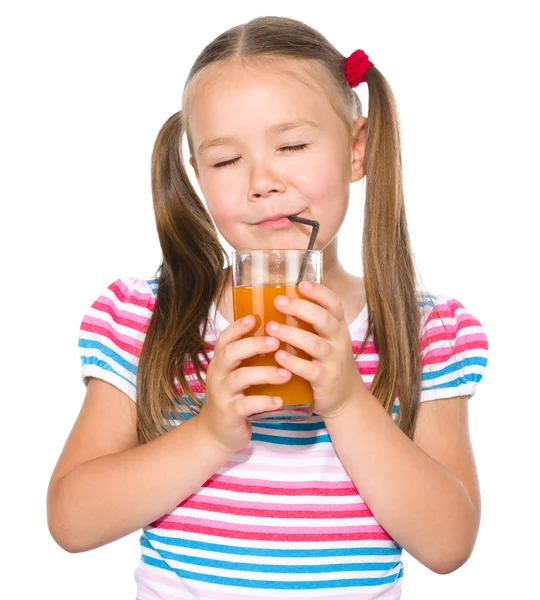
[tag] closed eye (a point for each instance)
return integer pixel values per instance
(231, 162)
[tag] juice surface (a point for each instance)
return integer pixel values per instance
(259, 301)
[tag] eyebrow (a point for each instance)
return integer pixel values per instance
(278, 128)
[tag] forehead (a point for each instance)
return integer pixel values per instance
(244, 99)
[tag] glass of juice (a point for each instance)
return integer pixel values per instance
(258, 277)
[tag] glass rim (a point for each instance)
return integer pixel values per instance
(275, 251)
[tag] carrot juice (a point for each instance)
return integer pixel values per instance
(259, 301)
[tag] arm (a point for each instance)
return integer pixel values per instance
(425, 492)
(106, 485)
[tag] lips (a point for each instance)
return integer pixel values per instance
(277, 217)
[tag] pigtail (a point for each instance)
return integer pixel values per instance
(389, 273)
(189, 275)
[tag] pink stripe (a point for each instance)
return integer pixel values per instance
(442, 355)
(291, 453)
(369, 347)
(361, 506)
(345, 485)
(122, 317)
(287, 513)
(111, 336)
(131, 296)
(183, 520)
(276, 537)
(150, 574)
(445, 309)
(463, 321)
(368, 367)
(102, 327)
(285, 491)
(445, 331)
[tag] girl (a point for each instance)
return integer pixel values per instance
(309, 510)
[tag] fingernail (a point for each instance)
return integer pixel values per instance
(306, 285)
(282, 300)
(270, 341)
(246, 320)
(283, 372)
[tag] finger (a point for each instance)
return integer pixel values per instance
(239, 350)
(242, 378)
(312, 344)
(306, 369)
(323, 296)
(246, 406)
(309, 311)
(234, 331)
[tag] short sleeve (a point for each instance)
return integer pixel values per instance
(112, 333)
(454, 349)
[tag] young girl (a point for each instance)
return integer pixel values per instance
(233, 510)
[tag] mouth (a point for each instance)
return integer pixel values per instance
(280, 222)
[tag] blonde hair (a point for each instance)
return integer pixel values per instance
(192, 274)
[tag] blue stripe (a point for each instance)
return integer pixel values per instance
(264, 568)
(428, 300)
(277, 585)
(106, 351)
(93, 360)
(289, 441)
(275, 552)
(292, 426)
(455, 382)
(187, 400)
(457, 366)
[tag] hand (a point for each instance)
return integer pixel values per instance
(332, 371)
(225, 409)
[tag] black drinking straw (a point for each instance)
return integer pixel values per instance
(314, 232)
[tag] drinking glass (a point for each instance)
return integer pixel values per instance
(258, 277)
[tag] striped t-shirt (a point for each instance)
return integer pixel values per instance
(281, 519)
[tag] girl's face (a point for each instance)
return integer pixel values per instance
(265, 176)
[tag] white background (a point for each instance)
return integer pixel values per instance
(86, 87)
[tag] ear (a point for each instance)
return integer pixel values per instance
(358, 149)
(194, 165)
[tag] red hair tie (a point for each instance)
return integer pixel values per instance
(356, 66)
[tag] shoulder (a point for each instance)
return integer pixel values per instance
(113, 329)
(443, 315)
(453, 346)
(126, 301)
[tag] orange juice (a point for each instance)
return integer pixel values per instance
(259, 301)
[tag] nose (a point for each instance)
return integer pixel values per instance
(264, 182)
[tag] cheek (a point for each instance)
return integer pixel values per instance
(220, 205)
(223, 213)
(323, 181)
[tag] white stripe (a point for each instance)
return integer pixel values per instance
(273, 476)
(219, 517)
(301, 459)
